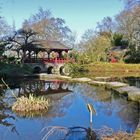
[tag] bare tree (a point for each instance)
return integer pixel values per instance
(129, 4)
(106, 25)
(4, 27)
(128, 23)
(106, 28)
(48, 27)
(24, 43)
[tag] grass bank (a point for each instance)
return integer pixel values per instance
(111, 70)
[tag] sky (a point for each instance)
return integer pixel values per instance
(79, 15)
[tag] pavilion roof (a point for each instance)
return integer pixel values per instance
(52, 45)
(45, 46)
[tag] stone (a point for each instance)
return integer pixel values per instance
(132, 92)
(102, 78)
(126, 89)
(134, 95)
(97, 83)
(83, 79)
(65, 77)
(116, 84)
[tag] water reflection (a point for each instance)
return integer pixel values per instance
(132, 81)
(111, 107)
(40, 87)
(53, 90)
(68, 109)
(5, 117)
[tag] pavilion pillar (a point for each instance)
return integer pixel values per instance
(18, 53)
(30, 55)
(49, 55)
(36, 55)
(60, 54)
(67, 55)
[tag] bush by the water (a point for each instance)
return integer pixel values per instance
(14, 69)
(76, 69)
(24, 104)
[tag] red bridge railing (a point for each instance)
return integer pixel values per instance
(46, 60)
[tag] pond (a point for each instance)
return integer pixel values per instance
(68, 110)
(132, 81)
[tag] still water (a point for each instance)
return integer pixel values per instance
(68, 110)
(132, 81)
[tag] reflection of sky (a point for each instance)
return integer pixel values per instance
(112, 111)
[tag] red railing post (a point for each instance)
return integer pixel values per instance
(55, 60)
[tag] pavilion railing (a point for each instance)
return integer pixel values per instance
(49, 60)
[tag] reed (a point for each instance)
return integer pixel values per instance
(8, 88)
(31, 103)
(119, 136)
(104, 133)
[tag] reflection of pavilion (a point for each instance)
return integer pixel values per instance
(56, 91)
(44, 87)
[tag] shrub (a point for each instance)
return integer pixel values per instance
(77, 69)
(14, 69)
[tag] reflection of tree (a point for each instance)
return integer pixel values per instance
(68, 133)
(133, 81)
(129, 113)
(4, 116)
(96, 93)
(108, 103)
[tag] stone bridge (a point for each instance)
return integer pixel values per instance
(49, 68)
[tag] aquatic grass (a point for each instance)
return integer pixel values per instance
(31, 103)
(104, 133)
(119, 136)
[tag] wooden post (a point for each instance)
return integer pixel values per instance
(91, 111)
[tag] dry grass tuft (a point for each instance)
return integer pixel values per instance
(119, 136)
(24, 104)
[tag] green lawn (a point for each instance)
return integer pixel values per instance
(112, 70)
